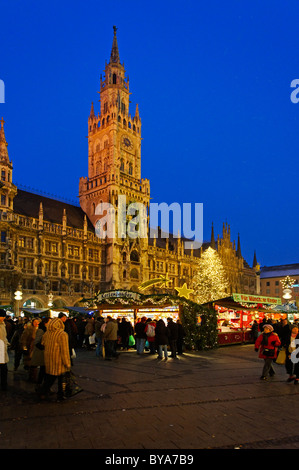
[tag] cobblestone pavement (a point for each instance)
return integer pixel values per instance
(203, 400)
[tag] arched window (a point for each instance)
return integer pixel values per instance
(114, 78)
(122, 165)
(134, 256)
(130, 169)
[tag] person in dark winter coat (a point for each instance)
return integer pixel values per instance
(125, 329)
(284, 331)
(37, 359)
(15, 344)
(140, 335)
(173, 334)
(255, 331)
(162, 339)
(267, 344)
(181, 336)
(27, 342)
(110, 338)
(80, 324)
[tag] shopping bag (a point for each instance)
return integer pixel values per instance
(92, 339)
(70, 385)
(281, 358)
(131, 341)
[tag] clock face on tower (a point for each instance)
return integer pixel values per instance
(126, 142)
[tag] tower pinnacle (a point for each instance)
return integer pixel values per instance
(114, 57)
(3, 144)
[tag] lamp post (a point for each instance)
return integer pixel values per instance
(18, 296)
(287, 285)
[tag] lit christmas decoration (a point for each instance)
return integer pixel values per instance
(287, 282)
(159, 282)
(210, 282)
(184, 291)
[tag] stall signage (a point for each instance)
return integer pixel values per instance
(119, 293)
(260, 299)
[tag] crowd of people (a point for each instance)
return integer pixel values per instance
(46, 347)
(272, 338)
(154, 336)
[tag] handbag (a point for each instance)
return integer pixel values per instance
(268, 352)
(282, 356)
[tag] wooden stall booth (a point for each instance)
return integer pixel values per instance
(133, 306)
(236, 314)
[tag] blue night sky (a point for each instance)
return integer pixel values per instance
(212, 81)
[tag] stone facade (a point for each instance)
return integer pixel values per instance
(53, 249)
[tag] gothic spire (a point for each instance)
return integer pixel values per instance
(239, 255)
(3, 144)
(213, 238)
(92, 110)
(114, 57)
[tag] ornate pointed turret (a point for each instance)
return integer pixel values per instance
(137, 112)
(3, 145)
(114, 57)
(239, 254)
(7, 189)
(92, 114)
(254, 260)
(213, 244)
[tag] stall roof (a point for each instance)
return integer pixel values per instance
(229, 302)
(35, 310)
(286, 309)
(81, 309)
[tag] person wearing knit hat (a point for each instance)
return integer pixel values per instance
(267, 344)
(269, 327)
(3, 351)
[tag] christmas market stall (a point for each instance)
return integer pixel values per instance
(236, 314)
(134, 305)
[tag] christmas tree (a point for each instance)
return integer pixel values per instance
(210, 282)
